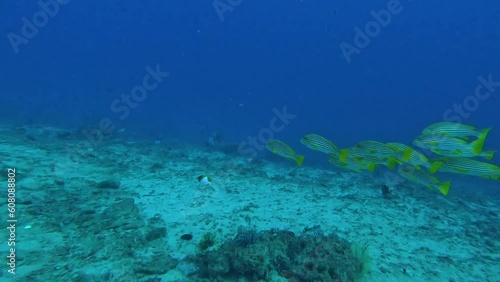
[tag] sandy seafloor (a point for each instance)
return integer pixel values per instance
(76, 232)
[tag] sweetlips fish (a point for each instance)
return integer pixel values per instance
(453, 129)
(453, 147)
(281, 149)
(372, 148)
(352, 164)
(359, 155)
(423, 178)
(465, 166)
(411, 156)
(320, 144)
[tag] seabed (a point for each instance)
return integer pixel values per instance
(117, 211)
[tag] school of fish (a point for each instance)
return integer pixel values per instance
(450, 141)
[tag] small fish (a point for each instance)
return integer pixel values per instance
(465, 166)
(281, 149)
(319, 143)
(423, 178)
(411, 156)
(205, 180)
(453, 129)
(454, 147)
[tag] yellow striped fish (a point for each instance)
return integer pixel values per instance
(466, 154)
(281, 149)
(319, 143)
(453, 129)
(369, 148)
(352, 164)
(453, 147)
(411, 156)
(423, 178)
(364, 157)
(465, 166)
(377, 148)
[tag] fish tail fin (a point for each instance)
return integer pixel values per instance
(407, 154)
(477, 146)
(481, 138)
(343, 154)
(445, 187)
(435, 166)
(371, 167)
(299, 160)
(483, 133)
(392, 162)
(489, 154)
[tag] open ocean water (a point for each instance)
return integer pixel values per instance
(234, 140)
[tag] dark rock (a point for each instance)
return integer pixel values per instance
(108, 184)
(156, 233)
(246, 236)
(155, 167)
(59, 181)
(157, 264)
(124, 206)
(387, 192)
(187, 237)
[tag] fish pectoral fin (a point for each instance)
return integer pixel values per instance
(371, 167)
(392, 162)
(489, 154)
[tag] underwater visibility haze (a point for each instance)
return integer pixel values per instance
(234, 140)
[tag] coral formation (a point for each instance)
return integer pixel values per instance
(260, 255)
(246, 236)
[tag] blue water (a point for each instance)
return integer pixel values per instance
(263, 56)
(236, 71)
(230, 69)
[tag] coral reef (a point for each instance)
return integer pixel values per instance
(260, 255)
(246, 236)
